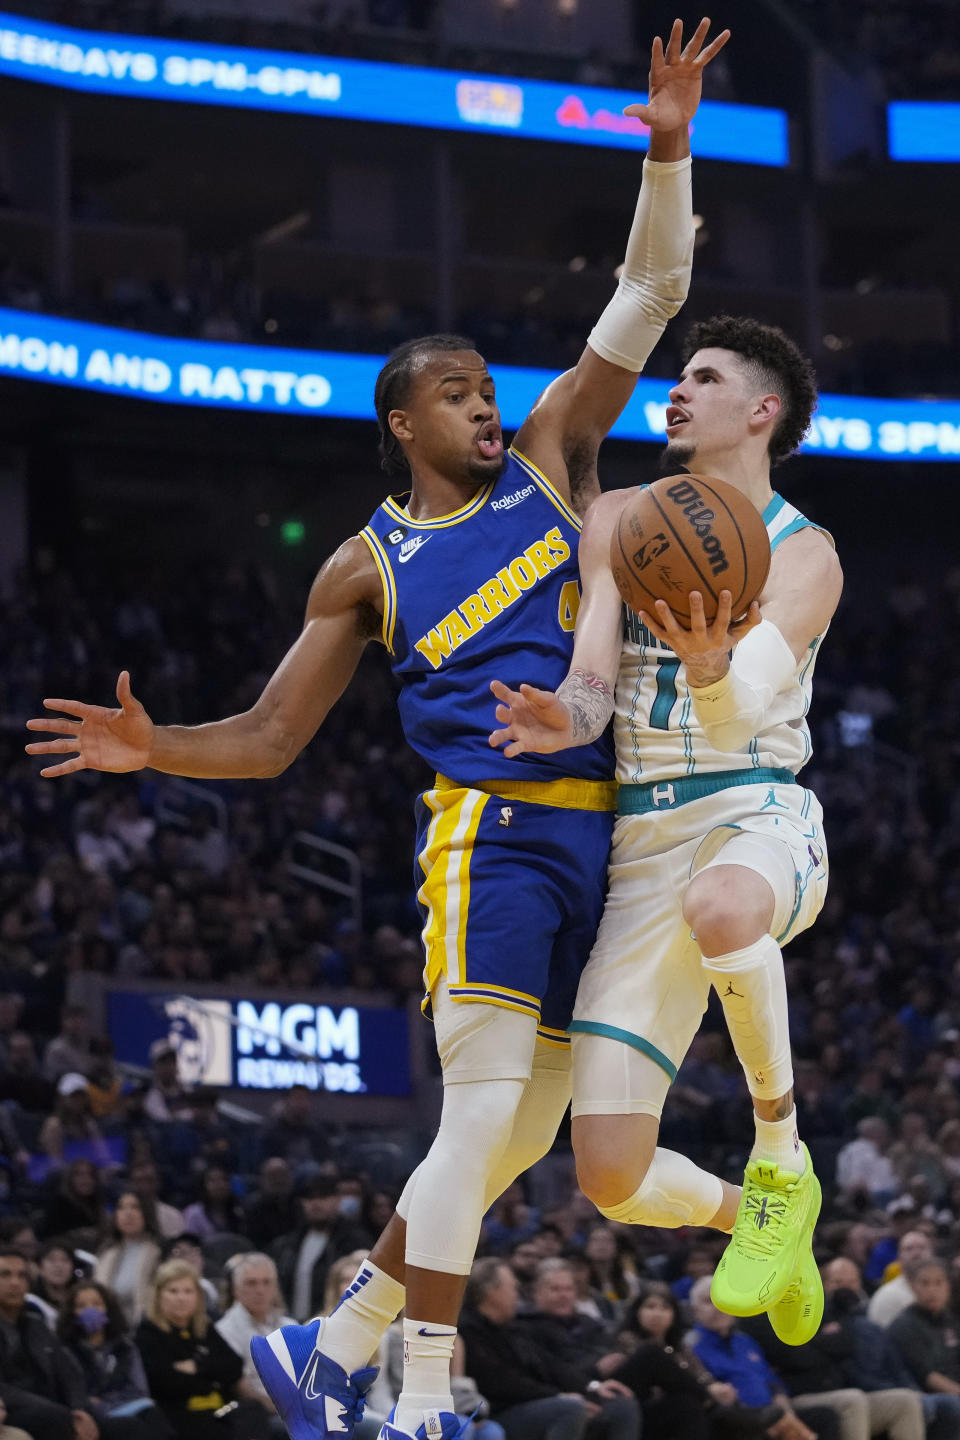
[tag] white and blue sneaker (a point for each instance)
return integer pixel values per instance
(314, 1396)
(437, 1425)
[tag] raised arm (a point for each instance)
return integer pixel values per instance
(341, 617)
(577, 713)
(563, 432)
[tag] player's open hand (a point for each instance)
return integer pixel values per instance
(98, 738)
(531, 719)
(676, 77)
(705, 647)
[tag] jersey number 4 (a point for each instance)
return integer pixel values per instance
(569, 605)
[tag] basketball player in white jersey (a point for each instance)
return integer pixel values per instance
(718, 855)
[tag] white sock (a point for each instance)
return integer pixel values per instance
(777, 1140)
(427, 1353)
(753, 993)
(370, 1303)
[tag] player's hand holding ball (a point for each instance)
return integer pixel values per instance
(705, 646)
(690, 555)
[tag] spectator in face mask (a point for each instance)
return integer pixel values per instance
(304, 1256)
(92, 1329)
(876, 1364)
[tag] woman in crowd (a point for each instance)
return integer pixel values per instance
(71, 1131)
(128, 1257)
(75, 1208)
(927, 1333)
(611, 1278)
(92, 1328)
(192, 1372)
(56, 1269)
(676, 1392)
(217, 1212)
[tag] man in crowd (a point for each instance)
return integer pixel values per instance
(255, 1311)
(580, 1342)
(166, 1098)
(41, 1387)
(734, 1358)
(70, 1050)
(21, 1078)
(824, 1371)
(272, 1211)
(876, 1363)
(303, 1256)
(894, 1297)
(533, 1392)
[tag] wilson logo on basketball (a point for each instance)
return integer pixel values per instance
(687, 498)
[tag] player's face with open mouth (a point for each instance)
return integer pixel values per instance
(456, 419)
(709, 407)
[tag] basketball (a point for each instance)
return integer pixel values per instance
(689, 532)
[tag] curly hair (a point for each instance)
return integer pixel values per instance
(392, 391)
(772, 361)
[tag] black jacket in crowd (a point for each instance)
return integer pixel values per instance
(46, 1373)
(823, 1364)
(189, 1401)
(508, 1364)
(927, 1343)
(343, 1238)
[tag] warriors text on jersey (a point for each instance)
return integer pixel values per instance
(655, 728)
(488, 593)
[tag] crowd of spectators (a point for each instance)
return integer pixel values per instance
(124, 1200)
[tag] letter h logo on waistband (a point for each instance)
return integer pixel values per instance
(663, 795)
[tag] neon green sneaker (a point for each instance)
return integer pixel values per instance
(777, 1212)
(796, 1317)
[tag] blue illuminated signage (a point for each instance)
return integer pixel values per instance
(262, 1044)
(319, 382)
(95, 61)
(924, 130)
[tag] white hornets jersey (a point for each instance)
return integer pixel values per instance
(655, 728)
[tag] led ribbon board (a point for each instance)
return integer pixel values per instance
(98, 62)
(923, 130)
(322, 382)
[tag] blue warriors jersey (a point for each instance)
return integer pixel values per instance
(490, 592)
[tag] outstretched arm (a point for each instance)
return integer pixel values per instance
(577, 713)
(563, 432)
(341, 617)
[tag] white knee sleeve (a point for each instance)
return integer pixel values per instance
(545, 1098)
(674, 1192)
(753, 993)
(446, 1205)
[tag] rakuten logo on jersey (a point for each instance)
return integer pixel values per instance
(517, 498)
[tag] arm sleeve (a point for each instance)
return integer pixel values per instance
(732, 711)
(656, 268)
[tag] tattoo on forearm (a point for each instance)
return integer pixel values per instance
(590, 702)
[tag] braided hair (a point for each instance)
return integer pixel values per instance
(392, 391)
(774, 362)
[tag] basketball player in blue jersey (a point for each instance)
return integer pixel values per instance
(718, 855)
(471, 574)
